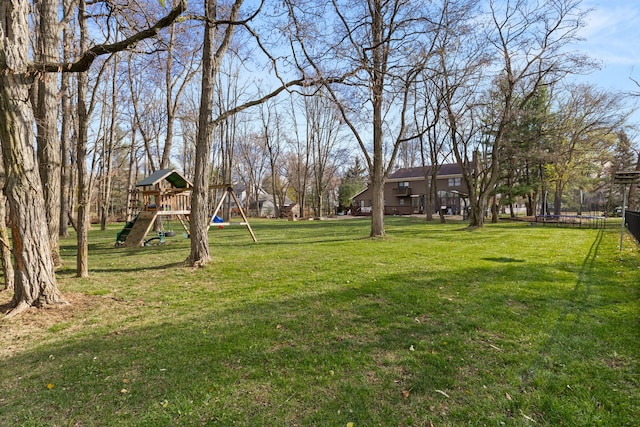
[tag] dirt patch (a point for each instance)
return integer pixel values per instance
(31, 327)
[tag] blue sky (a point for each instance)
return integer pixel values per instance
(613, 37)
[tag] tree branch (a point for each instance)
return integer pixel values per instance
(298, 82)
(85, 61)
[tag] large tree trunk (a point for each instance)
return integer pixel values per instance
(47, 122)
(35, 281)
(476, 212)
(211, 59)
(377, 172)
(428, 202)
(199, 199)
(200, 212)
(377, 207)
(5, 244)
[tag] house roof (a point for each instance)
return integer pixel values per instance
(171, 175)
(263, 196)
(419, 172)
(360, 193)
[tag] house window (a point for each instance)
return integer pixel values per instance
(454, 182)
(404, 184)
(401, 202)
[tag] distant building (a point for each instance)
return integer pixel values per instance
(265, 208)
(405, 189)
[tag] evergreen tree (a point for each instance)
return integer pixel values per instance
(353, 182)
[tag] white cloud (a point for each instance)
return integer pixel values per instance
(612, 34)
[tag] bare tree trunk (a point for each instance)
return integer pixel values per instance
(211, 59)
(65, 134)
(377, 208)
(5, 244)
(495, 208)
(168, 143)
(65, 169)
(428, 181)
(82, 259)
(377, 86)
(47, 122)
(557, 198)
(199, 201)
(35, 281)
(477, 210)
(274, 191)
(107, 159)
(131, 177)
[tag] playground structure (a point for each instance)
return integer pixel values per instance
(164, 194)
(229, 193)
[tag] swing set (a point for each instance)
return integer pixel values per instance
(166, 195)
(227, 195)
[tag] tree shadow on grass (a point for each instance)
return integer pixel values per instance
(313, 358)
(579, 344)
(502, 259)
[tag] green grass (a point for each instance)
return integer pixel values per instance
(317, 324)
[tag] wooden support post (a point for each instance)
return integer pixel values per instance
(229, 191)
(246, 221)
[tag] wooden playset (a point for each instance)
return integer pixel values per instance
(165, 194)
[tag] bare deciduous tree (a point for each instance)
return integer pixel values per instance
(221, 23)
(324, 123)
(528, 44)
(584, 121)
(35, 283)
(46, 114)
(375, 50)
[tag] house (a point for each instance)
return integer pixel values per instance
(264, 206)
(405, 189)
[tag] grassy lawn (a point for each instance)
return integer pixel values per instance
(316, 324)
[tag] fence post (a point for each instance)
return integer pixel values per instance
(624, 214)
